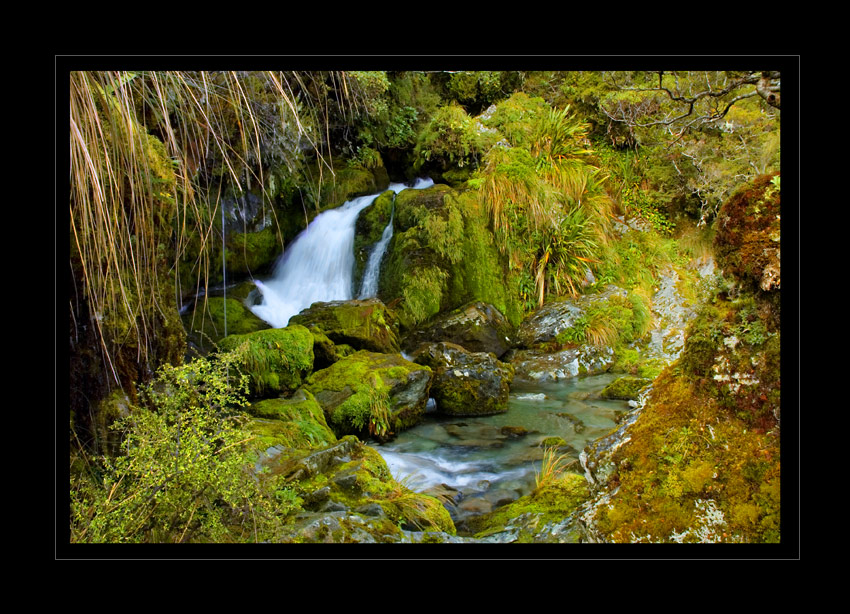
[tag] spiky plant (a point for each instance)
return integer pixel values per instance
(552, 468)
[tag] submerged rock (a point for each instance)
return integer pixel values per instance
(466, 383)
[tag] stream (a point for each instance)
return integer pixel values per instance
(492, 460)
(479, 462)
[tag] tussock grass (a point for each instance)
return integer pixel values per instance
(143, 147)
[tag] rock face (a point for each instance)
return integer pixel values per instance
(476, 327)
(368, 230)
(747, 238)
(363, 325)
(369, 393)
(466, 383)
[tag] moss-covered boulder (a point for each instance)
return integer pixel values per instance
(205, 324)
(276, 360)
(625, 388)
(326, 352)
(476, 326)
(371, 394)
(348, 495)
(295, 422)
(466, 383)
(364, 325)
(442, 256)
(543, 365)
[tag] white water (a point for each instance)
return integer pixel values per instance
(369, 287)
(318, 265)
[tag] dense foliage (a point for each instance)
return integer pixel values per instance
(561, 183)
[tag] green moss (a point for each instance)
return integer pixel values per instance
(301, 421)
(276, 360)
(702, 461)
(360, 393)
(443, 256)
(251, 251)
(625, 388)
(206, 328)
(554, 502)
(362, 324)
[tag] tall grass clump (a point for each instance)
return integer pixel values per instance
(150, 155)
(545, 199)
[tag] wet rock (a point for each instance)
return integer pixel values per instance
(625, 388)
(361, 324)
(354, 388)
(539, 365)
(476, 327)
(466, 383)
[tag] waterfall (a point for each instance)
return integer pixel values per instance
(369, 287)
(319, 263)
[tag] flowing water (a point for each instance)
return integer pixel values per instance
(492, 460)
(317, 266)
(485, 461)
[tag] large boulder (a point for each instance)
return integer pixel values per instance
(350, 496)
(466, 383)
(476, 326)
(361, 324)
(442, 256)
(371, 394)
(276, 360)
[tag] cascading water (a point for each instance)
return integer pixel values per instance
(369, 286)
(318, 265)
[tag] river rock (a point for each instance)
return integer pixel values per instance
(466, 383)
(361, 324)
(538, 366)
(296, 422)
(477, 327)
(353, 389)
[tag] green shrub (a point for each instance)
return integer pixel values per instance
(184, 470)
